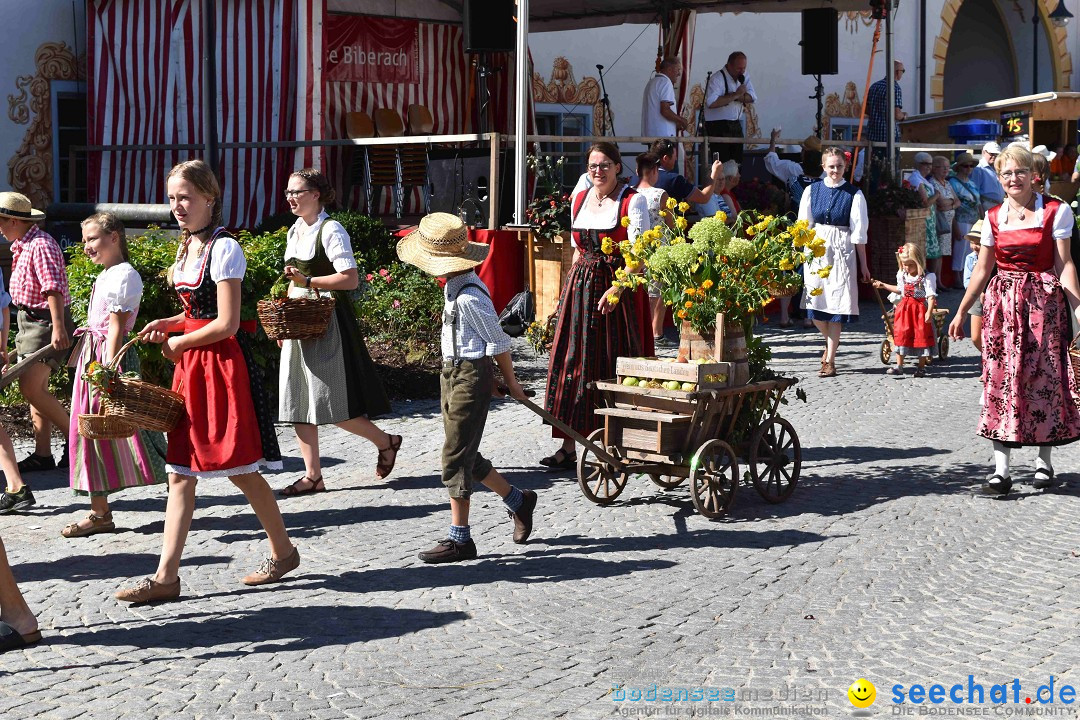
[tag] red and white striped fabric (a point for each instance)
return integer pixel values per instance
(145, 85)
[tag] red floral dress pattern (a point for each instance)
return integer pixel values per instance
(1029, 397)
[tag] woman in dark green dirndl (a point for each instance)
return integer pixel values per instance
(330, 380)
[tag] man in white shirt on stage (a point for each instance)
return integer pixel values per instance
(727, 95)
(658, 115)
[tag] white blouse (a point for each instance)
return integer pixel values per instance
(1063, 221)
(227, 262)
(859, 218)
(120, 288)
(928, 287)
(607, 217)
(301, 242)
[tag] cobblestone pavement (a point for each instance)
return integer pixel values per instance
(884, 564)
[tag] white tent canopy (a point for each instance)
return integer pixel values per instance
(552, 15)
(549, 15)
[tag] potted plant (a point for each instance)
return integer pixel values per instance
(716, 277)
(549, 253)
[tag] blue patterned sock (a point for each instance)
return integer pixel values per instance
(460, 533)
(513, 499)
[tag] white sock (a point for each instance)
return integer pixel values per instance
(1043, 461)
(1001, 460)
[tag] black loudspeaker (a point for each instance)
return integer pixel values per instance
(489, 26)
(460, 184)
(819, 41)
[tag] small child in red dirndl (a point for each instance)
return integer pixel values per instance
(913, 329)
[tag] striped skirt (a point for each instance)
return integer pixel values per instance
(100, 467)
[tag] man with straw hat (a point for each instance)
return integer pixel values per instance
(471, 334)
(39, 288)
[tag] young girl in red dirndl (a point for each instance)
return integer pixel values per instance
(913, 328)
(226, 430)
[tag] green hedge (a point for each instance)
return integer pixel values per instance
(403, 312)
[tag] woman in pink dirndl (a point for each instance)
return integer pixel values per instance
(1029, 395)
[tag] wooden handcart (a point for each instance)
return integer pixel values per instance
(674, 435)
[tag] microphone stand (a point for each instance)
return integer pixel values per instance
(704, 164)
(606, 120)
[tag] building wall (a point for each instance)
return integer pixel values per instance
(771, 42)
(51, 33)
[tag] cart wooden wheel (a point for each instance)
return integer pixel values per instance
(599, 481)
(775, 459)
(714, 478)
(666, 481)
(943, 347)
(886, 351)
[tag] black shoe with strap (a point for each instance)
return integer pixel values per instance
(1044, 478)
(997, 485)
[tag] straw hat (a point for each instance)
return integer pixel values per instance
(975, 233)
(16, 205)
(440, 245)
(965, 158)
(812, 143)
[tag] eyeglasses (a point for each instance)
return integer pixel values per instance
(1010, 174)
(600, 166)
(290, 194)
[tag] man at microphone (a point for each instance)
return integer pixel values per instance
(727, 94)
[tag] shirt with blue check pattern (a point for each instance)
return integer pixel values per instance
(876, 101)
(478, 331)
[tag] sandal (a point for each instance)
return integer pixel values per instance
(895, 371)
(828, 369)
(385, 467)
(997, 485)
(560, 460)
(1044, 478)
(314, 486)
(98, 524)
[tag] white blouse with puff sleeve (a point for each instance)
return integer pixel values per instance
(301, 242)
(120, 287)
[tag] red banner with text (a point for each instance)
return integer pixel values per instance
(370, 50)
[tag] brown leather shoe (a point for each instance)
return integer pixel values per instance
(448, 551)
(523, 518)
(273, 570)
(146, 590)
(98, 524)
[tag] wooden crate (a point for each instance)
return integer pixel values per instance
(547, 263)
(653, 432)
(683, 372)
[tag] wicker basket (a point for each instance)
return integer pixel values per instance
(143, 404)
(105, 427)
(296, 318)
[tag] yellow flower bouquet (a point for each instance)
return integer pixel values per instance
(716, 268)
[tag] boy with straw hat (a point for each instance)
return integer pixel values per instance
(471, 334)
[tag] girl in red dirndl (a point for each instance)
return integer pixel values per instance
(913, 328)
(226, 430)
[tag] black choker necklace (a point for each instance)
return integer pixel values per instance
(200, 232)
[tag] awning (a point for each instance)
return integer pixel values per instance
(550, 15)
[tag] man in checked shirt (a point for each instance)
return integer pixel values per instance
(39, 288)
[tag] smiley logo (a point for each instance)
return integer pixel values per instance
(862, 693)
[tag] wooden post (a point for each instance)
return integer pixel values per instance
(718, 343)
(530, 261)
(493, 184)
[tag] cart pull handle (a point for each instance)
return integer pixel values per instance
(506, 391)
(600, 452)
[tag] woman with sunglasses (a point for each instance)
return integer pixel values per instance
(1029, 395)
(594, 327)
(968, 211)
